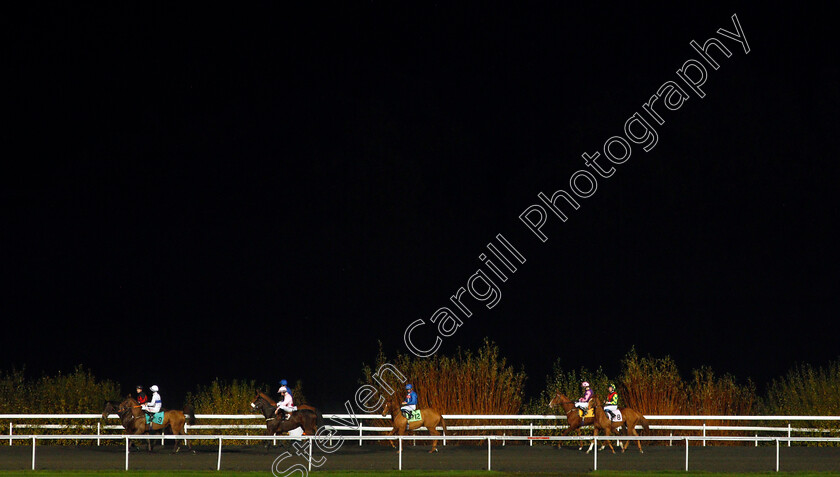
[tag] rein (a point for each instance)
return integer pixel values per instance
(573, 409)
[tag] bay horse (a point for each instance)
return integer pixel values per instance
(430, 419)
(629, 419)
(134, 419)
(572, 416)
(306, 417)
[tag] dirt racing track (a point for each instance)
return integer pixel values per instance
(514, 458)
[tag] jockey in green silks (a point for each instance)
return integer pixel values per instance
(611, 404)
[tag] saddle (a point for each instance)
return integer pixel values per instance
(156, 418)
(615, 416)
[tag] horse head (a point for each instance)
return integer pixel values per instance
(560, 400)
(262, 403)
(387, 408)
(130, 406)
(110, 408)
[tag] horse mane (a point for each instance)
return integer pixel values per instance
(267, 398)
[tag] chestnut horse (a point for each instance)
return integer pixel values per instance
(572, 416)
(630, 418)
(134, 419)
(306, 417)
(430, 419)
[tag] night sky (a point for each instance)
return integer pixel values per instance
(257, 191)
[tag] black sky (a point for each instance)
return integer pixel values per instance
(198, 191)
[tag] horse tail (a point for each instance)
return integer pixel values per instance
(644, 423)
(188, 409)
(443, 423)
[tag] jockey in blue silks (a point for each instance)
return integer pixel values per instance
(410, 403)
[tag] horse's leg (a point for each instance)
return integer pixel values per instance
(572, 427)
(184, 433)
(177, 426)
(268, 432)
(607, 432)
(581, 422)
(391, 441)
(433, 432)
(638, 443)
(141, 429)
(592, 443)
(400, 432)
(617, 431)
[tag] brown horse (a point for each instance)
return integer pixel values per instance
(630, 418)
(134, 419)
(603, 423)
(306, 417)
(430, 419)
(113, 407)
(572, 416)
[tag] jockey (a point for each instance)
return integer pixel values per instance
(283, 382)
(611, 404)
(286, 404)
(154, 405)
(410, 403)
(583, 403)
(142, 397)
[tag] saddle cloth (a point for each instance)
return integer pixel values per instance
(157, 418)
(617, 417)
(414, 416)
(589, 413)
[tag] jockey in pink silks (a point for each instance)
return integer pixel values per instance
(286, 404)
(583, 403)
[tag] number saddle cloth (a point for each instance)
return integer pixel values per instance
(157, 418)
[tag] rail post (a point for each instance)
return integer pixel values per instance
(531, 434)
(704, 433)
(777, 454)
(309, 439)
(219, 459)
(11, 426)
(126, 452)
(98, 432)
(595, 454)
(789, 433)
(399, 438)
(686, 454)
(488, 452)
(33, 452)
